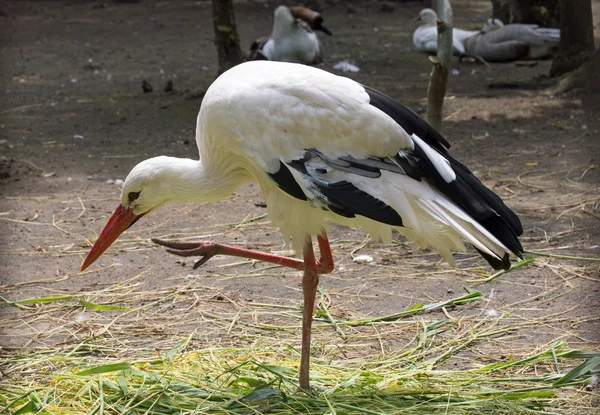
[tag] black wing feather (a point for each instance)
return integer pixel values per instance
(286, 182)
(350, 198)
(341, 197)
(490, 197)
(466, 190)
(496, 263)
(408, 119)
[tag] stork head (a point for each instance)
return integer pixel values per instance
(148, 186)
(492, 24)
(427, 17)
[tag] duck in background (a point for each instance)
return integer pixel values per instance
(293, 38)
(497, 42)
(425, 36)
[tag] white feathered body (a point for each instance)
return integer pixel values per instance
(260, 116)
(298, 46)
(291, 40)
(425, 39)
(425, 36)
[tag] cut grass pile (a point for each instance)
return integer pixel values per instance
(239, 381)
(93, 377)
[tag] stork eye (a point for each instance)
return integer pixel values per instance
(133, 196)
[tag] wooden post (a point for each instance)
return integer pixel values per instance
(226, 37)
(441, 64)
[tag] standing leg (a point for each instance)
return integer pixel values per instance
(310, 280)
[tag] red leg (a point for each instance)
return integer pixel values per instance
(310, 280)
(209, 249)
(325, 263)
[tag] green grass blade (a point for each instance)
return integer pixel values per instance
(113, 367)
(518, 264)
(178, 348)
(101, 307)
(578, 371)
(27, 408)
(50, 299)
(472, 295)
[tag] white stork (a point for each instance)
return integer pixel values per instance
(322, 148)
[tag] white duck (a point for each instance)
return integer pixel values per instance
(497, 42)
(293, 38)
(425, 36)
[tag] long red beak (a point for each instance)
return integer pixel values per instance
(120, 220)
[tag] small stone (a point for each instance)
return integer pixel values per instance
(363, 259)
(146, 87)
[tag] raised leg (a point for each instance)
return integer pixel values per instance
(310, 281)
(207, 250)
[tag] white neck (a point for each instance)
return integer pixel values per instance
(430, 20)
(192, 181)
(165, 180)
(283, 24)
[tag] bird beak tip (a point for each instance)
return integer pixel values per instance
(83, 267)
(121, 219)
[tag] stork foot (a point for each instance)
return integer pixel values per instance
(206, 250)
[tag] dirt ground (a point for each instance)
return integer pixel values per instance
(74, 119)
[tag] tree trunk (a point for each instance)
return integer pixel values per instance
(501, 10)
(583, 81)
(441, 65)
(576, 36)
(542, 12)
(226, 37)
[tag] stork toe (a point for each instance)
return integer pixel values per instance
(206, 250)
(177, 245)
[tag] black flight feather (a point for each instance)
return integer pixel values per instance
(496, 263)
(477, 200)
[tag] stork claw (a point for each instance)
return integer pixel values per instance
(202, 261)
